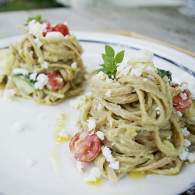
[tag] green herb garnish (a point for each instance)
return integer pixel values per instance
(37, 18)
(26, 78)
(162, 73)
(111, 61)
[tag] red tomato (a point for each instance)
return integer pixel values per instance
(180, 103)
(74, 139)
(61, 28)
(49, 28)
(85, 149)
(55, 81)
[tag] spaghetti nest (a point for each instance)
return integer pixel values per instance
(140, 125)
(58, 59)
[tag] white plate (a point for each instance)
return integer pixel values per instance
(26, 163)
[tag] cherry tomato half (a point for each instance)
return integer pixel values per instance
(49, 28)
(55, 81)
(85, 149)
(61, 28)
(182, 101)
(72, 142)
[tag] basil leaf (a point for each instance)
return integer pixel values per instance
(119, 56)
(109, 51)
(111, 61)
(162, 73)
(37, 18)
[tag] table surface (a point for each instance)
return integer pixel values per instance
(162, 23)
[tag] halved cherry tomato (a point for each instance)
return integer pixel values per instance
(55, 81)
(72, 142)
(182, 104)
(61, 28)
(85, 149)
(49, 28)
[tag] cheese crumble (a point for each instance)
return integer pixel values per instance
(91, 124)
(42, 80)
(100, 135)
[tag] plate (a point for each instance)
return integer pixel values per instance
(31, 163)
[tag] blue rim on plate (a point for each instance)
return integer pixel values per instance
(184, 68)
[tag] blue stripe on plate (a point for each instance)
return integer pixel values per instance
(184, 68)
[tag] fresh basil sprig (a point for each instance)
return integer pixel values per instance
(37, 18)
(111, 61)
(162, 73)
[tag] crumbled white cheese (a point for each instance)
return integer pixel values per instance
(100, 135)
(179, 114)
(186, 143)
(136, 66)
(33, 76)
(91, 124)
(184, 86)
(18, 127)
(108, 93)
(54, 36)
(36, 28)
(114, 165)
(108, 156)
(184, 96)
(123, 71)
(184, 155)
(38, 42)
(136, 71)
(74, 65)
(185, 132)
(93, 175)
(45, 64)
(42, 80)
(20, 71)
(191, 157)
(9, 94)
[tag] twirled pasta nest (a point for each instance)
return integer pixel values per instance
(142, 129)
(58, 57)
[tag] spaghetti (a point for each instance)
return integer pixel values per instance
(142, 116)
(45, 65)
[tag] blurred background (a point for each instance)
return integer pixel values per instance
(171, 21)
